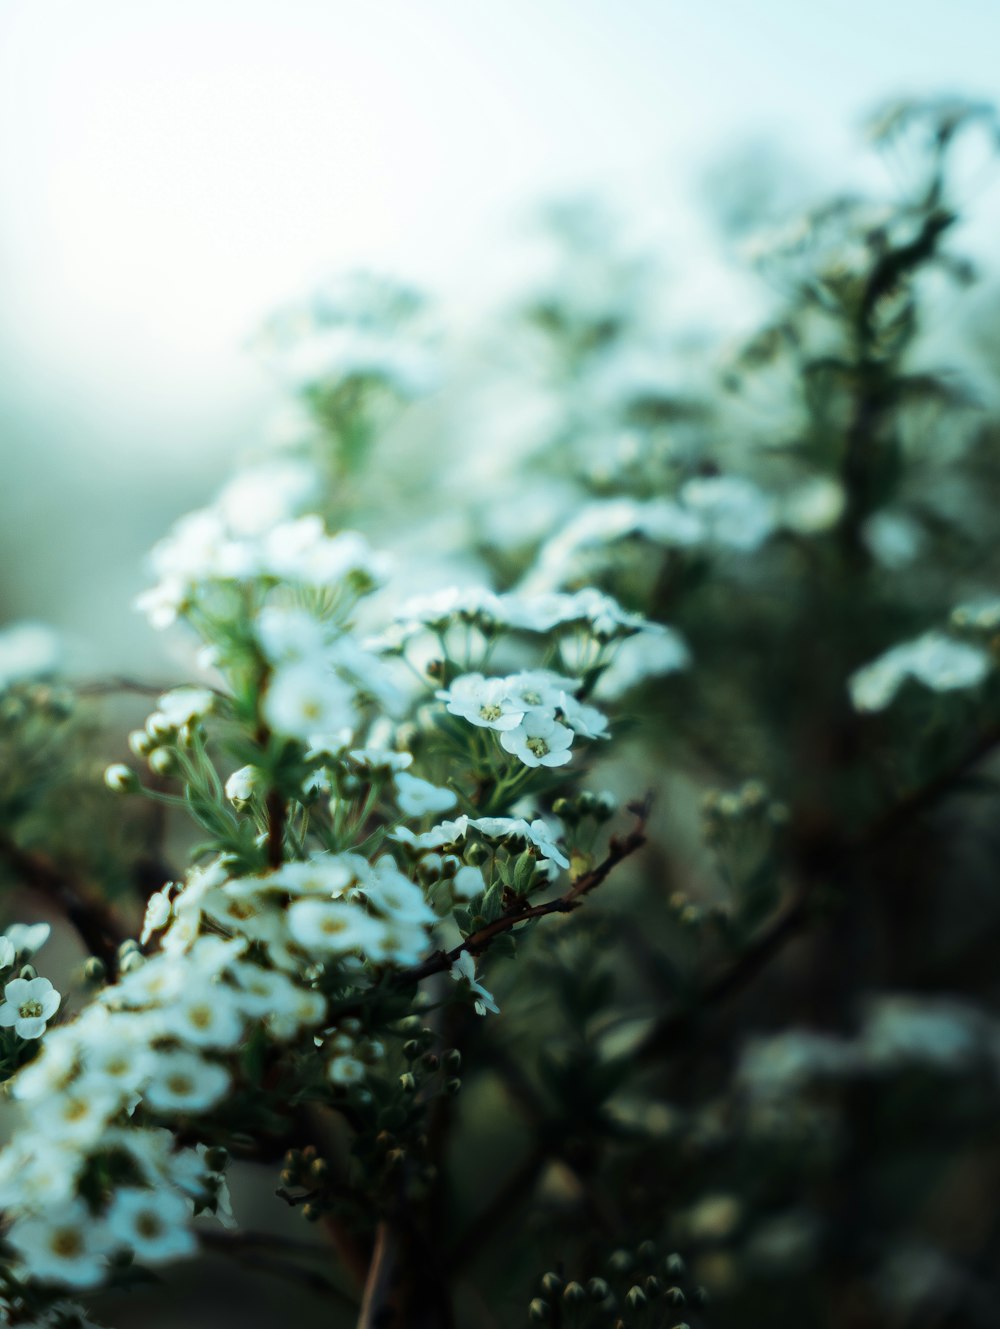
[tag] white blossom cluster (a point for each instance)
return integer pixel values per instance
(897, 1032)
(939, 662)
(535, 713)
(206, 548)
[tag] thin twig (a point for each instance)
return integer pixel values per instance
(96, 923)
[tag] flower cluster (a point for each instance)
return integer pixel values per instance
(535, 713)
(939, 662)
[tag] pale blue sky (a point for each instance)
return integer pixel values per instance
(170, 169)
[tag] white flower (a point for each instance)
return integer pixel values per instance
(28, 650)
(502, 828)
(381, 759)
(400, 941)
(467, 883)
(539, 740)
(654, 651)
(68, 1248)
(183, 705)
(439, 608)
(330, 875)
(242, 783)
(8, 954)
(735, 512)
(28, 938)
(29, 1003)
(266, 494)
(346, 1070)
(396, 896)
(305, 699)
(587, 721)
(79, 1112)
(464, 971)
(333, 927)
(154, 1224)
(37, 1173)
(538, 689)
(157, 916)
(419, 798)
(939, 662)
(448, 832)
(893, 538)
(183, 1081)
(329, 745)
(289, 635)
(482, 701)
(204, 1014)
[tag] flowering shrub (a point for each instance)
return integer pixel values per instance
(397, 767)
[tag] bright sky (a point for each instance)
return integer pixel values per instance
(171, 169)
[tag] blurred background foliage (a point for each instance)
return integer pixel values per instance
(756, 1080)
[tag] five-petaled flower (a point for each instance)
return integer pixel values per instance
(29, 1004)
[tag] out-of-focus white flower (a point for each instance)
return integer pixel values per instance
(157, 916)
(419, 798)
(381, 759)
(183, 1081)
(329, 876)
(29, 1004)
(242, 783)
(345, 1071)
(303, 700)
(154, 1224)
(28, 650)
(649, 654)
(395, 896)
(814, 506)
(28, 938)
(183, 705)
(467, 883)
(736, 514)
(333, 927)
(287, 635)
(204, 1014)
(893, 538)
(464, 971)
(940, 663)
(264, 495)
(68, 1247)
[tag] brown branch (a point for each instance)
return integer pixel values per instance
(104, 687)
(95, 922)
(477, 942)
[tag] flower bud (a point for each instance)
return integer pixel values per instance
(538, 1311)
(140, 742)
(598, 1289)
(635, 1298)
(452, 1086)
(94, 970)
(162, 761)
(121, 779)
(574, 1294)
(407, 1082)
(552, 1284)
